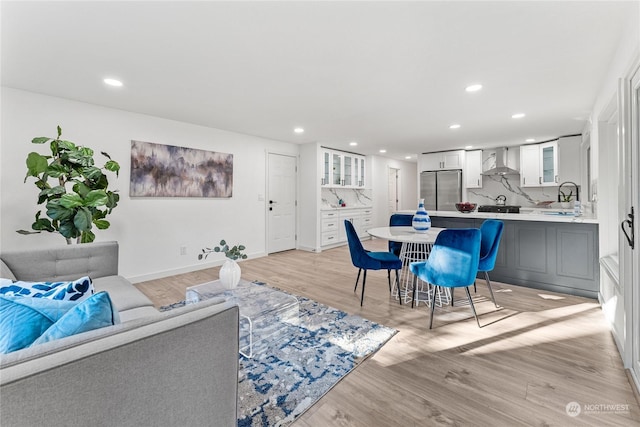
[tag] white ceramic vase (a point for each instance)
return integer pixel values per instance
(566, 205)
(230, 274)
(421, 221)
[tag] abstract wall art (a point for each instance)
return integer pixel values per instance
(159, 170)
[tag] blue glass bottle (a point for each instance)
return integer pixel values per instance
(421, 221)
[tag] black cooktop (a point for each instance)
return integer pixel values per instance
(499, 209)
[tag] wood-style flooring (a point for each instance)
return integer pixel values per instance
(531, 359)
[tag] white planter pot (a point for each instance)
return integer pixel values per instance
(566, 205)
(230, 274)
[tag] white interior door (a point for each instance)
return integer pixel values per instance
(393, 190)
(281, 203)
(633, 282)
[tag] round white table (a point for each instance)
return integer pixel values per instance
(415, 247)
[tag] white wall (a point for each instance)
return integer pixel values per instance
(150, 230)
(379, 178)
(605, 175)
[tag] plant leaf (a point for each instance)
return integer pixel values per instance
(96, 198)
(101, 224)
(68, 229)
(66, 145)
(81, 188)
(82, 219)
(106, 155)
(92, 173)
(112, 166)
(40, 140)
(56, 170)
(87, 237)
(56, 211)
(59, 131)
(71, 200)
(36, 164)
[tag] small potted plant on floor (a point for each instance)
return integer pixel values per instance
(230, 270)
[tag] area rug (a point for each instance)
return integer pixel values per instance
(302, 363)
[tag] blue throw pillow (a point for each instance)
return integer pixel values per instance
(23, 320)
(77, 290)
(94, 313)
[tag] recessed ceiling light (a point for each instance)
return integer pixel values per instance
(383, 151)
(353, 143)
(113, 82)
(468, 147)
(530, 140)
(407, 157)
(454, 126)
(517, 116)
(473, 88)
(298, 130)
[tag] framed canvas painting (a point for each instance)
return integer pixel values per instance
(159, 170)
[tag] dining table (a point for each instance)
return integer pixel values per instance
(416, 247)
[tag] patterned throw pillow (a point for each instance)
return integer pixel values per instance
(77, 290)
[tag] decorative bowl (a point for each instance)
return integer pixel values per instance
(466, 207)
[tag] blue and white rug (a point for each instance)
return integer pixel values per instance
(302, 363)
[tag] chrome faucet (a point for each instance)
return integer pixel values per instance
(560, 193)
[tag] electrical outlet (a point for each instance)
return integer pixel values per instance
(183, 250)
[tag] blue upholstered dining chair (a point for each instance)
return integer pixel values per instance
(491, 231)
(397, 220)
(452, 263)
(365, 260)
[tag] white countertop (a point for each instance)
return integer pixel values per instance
(535, 215)
(335, 208)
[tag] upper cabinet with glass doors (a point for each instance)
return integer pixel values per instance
(341, 169)
(539, 164)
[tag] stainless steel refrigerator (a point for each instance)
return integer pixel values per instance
(441, 190)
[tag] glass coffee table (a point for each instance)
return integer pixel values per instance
(264, 311)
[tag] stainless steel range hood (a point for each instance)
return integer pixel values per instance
(501, 166)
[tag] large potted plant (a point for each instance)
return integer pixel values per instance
(72, 188)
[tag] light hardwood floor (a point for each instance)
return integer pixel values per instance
(530, 359)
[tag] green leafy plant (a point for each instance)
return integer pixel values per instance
(72, 188)
(566, 197)
(234, 252)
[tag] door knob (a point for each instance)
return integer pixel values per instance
(271, 202)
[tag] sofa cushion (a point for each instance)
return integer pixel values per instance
(5, 271)
(76, 290)
(124, 295)
(23, 320)
(94, 313)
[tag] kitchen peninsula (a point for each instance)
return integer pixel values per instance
(542, 249)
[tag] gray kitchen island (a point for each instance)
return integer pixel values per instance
(539, 250)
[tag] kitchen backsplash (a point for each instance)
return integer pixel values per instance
(509, 186)
(352, 197)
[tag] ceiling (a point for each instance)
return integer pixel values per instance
(388, 75)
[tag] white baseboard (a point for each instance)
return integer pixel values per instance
(182, 270)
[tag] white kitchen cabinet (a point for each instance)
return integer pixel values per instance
(473, 169)
(569, 168)
(442, 160)
(539, 164)
(341, 169)
(333, 231)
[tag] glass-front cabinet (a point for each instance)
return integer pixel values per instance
(539, 164)
(341, 169)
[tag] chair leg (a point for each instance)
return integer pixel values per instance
(472, 307)
(475, 290)
(452, 296)
(398, 287)
(389, 279)
(364, 280)
(357, 279)
(433, 306)
(486, 277)
(414, 291)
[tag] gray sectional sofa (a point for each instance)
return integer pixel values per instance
(153, 369)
